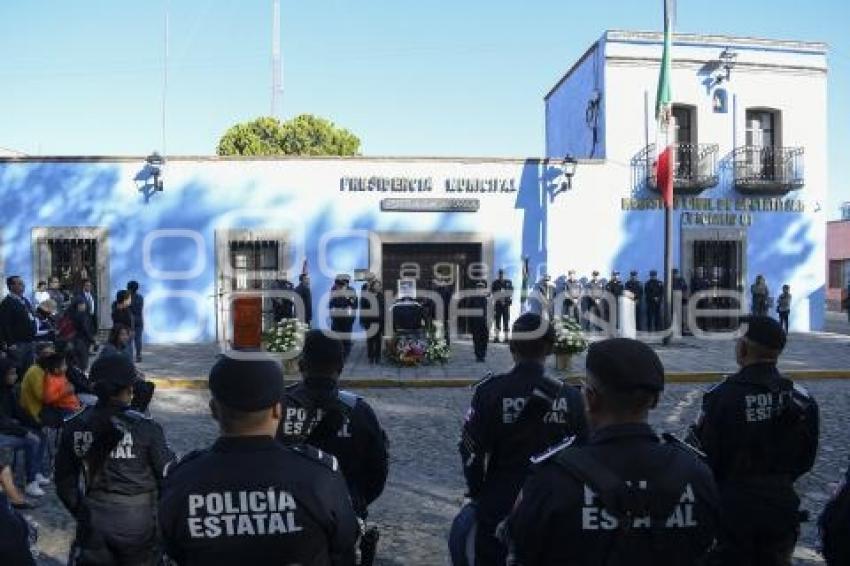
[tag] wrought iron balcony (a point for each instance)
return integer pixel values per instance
(695, 167)
(766, 170)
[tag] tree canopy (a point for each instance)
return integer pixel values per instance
(303, 135)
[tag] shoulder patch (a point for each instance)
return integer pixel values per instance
(180, 460)
(552, 450)
(75, 415)
(671, 439)
(136, 415)
(316, 455)
(487, 377)
(347, 398)
(801, 391)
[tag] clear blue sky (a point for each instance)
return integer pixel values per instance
(441, 77)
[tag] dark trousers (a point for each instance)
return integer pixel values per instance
(479, 340)
(783, 319)
(501, 317)
(373, 346)
(81, 348)
(653, 317)
(137, 340)
(115, 534)
(344, 327)
(24, 356)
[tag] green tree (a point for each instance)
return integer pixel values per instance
(303, 135)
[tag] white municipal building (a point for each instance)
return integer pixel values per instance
(750, 182)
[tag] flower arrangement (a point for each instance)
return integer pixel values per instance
(569, 338)
(286, 336)
(437, 350)
(411, 351)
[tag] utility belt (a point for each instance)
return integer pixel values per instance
(139, 499)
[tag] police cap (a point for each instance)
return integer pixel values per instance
(765, 331)
(595, 273)
(113, 370)
(653, 272)
(322, 348)
(246, 385)
(530, 322)
(624, 363)
(633, 273)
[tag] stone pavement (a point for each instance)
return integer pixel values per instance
(425, 486)
(805, 352)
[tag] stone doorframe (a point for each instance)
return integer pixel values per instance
(223, 275)
(378, 239)
(690, 235)
(41, 261)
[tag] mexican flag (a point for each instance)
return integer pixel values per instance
(665, 154)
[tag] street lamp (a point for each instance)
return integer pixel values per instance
(568, 168)
(155, 163)
(728, 59)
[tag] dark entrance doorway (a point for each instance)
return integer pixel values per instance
(423, 262)
(73, 261)
(720, 261)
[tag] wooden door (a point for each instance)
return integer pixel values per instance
(247, 319)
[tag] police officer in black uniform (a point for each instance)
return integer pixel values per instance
(627, 496)
(654, 293)
(342, 308)
(502, 292)
(283, 306)
(15, 536)
(445, 289)
(318, 413)
(759, 431)
(615, 290)
(249, 499)
(478, 322)
(513, 416)
(572, 298)
(108, 469)
(635, 287)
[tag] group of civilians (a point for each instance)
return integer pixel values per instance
(46, 342)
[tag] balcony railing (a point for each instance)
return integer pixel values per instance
(764, 170)
(695, 167)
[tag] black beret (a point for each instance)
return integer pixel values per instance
(624, 363)
(595, 273)
(113, 369)
(246, 385)
(321, 346)
(765, 331)
(633, 272)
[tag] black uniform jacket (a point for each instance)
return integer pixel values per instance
(133, 468)
(341, 424)
(760, 433)
(251, 500)
(500, 435)
(559, 520)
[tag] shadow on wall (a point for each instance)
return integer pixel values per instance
(537, 186)
(49, 194)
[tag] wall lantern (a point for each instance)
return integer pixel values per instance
(568, 169)
(727, 61)
(155, 163)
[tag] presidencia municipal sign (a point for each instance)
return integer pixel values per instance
(427, 185)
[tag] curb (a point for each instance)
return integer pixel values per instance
(413, 383)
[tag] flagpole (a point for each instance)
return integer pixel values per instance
(665, 100)
(668, 272)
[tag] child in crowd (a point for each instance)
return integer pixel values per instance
(58, 392)
(783, 306)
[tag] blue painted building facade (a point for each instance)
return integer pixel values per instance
(220, 223)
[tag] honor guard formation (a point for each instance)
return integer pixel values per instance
(556, 473)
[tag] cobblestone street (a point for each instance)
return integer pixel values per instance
(425, 488)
